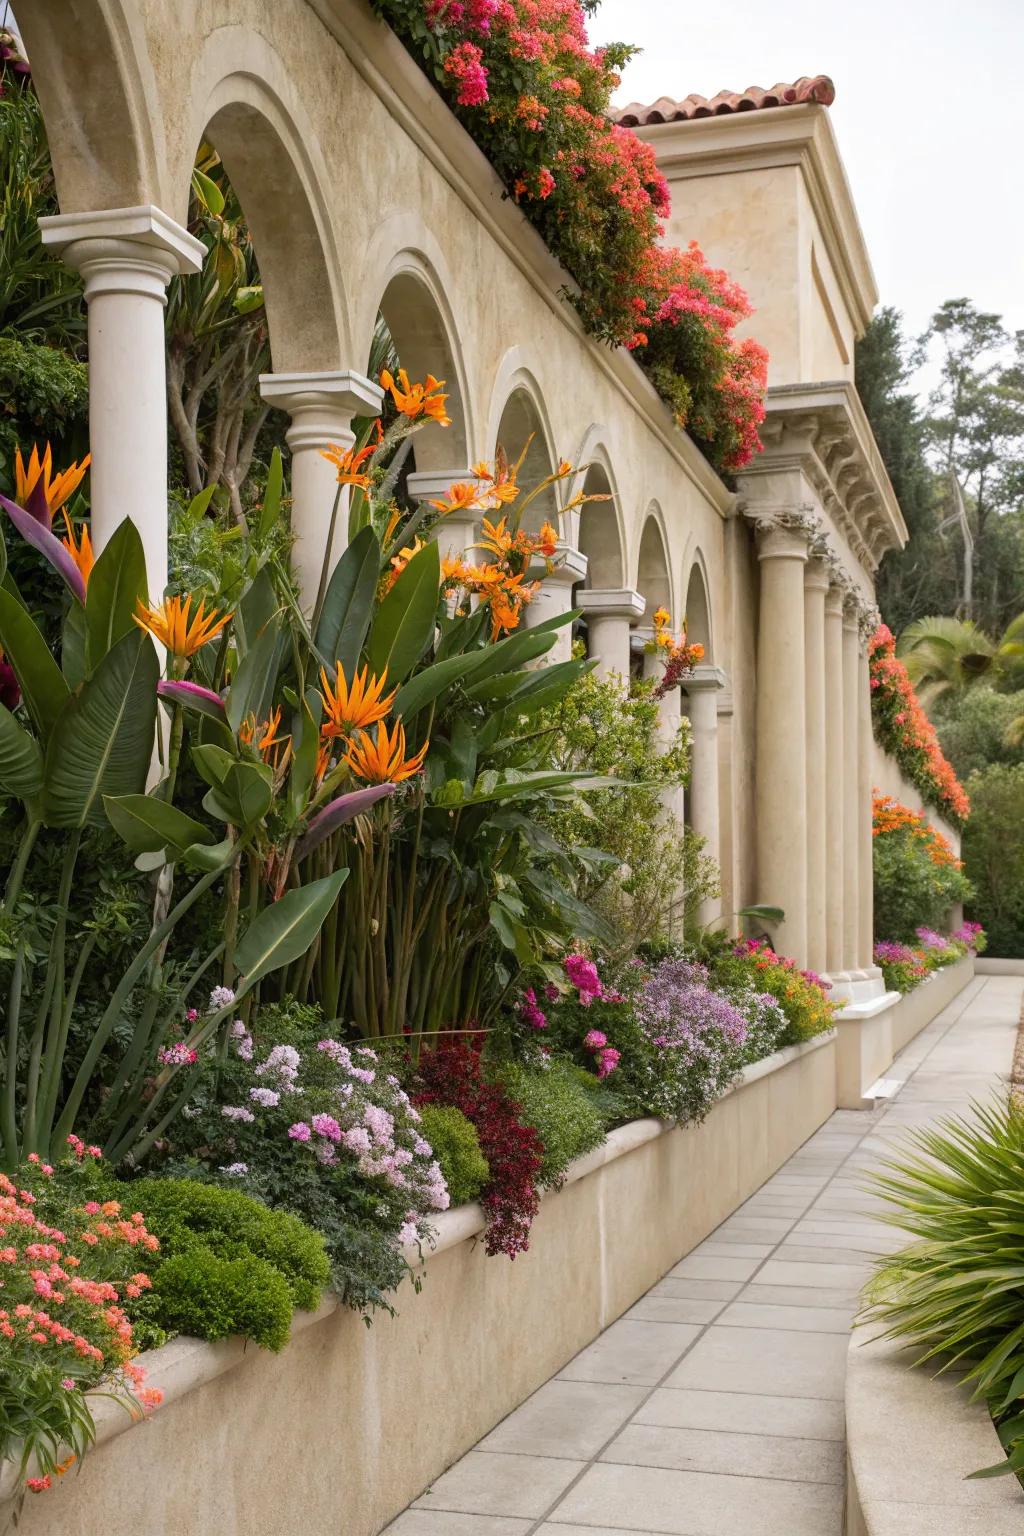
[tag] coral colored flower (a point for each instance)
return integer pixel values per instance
(170, 624)
(349, 462)
(383, 760)
(263, 736)
(79, 549)
(462, 496)
(415, 400)
(38, 490)
(349, 708)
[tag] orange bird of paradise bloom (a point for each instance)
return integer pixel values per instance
(349, 708)
(170, 624)
(79, 549)
(384, 761)
(461, 497)
(349, 463)
(264, 736)
(38, 477)
(417, 399)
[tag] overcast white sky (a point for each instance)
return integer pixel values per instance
(927, 112)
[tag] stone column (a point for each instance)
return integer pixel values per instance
(454, 532)
(127, 256)
(321, 406)
(609, 617)
(865, 735)
(670, 715)
(834, 803)
(555, 596)
(815, 588)
(781, 790)
(703, 687)
(851, 794)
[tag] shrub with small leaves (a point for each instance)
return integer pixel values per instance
(210, 1297)
(456, 1146)
(551, 1098)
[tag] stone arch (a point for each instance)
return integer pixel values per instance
(101, 141)
(272, 156)
(654, 576)
(697, 610)
(596, 527)
(519, 416)
(413, 299)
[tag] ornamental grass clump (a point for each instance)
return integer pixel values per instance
(955, 1294)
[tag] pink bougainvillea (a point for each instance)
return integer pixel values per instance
(904, 730)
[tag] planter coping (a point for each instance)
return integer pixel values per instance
(912, 1439)
(186, 1363)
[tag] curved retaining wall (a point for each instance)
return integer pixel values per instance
(912, 1440)
(349, 1424)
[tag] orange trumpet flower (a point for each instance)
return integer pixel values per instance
(37, 478)
(80, 550)
(384, 761)
(349, 708)
(170, 624)
(417, 399)
(349, 462)
(460, 498)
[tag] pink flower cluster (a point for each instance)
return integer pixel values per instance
(608, 1058)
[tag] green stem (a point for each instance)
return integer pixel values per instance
(165, 791)
(10, 1099)
(55, 1050)
(20, 864)
(53, 994)
(325, 569)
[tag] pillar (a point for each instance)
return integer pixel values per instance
(866, 902)
(555, 596)
(610, 614)
(670, 715)
(835, 952)
(703, 687)
(815, 588)
(851, 793)
(321, 407)
(127, 256)
(455, 532)
(781, 790)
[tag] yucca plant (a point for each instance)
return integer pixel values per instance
(957, 1293)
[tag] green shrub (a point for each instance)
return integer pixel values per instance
(912, 890)
(993, 854)
(188, 1216)
(956, 1292)
(210, 1297)
(554, 1101)
(974, 736)
(456, 1146)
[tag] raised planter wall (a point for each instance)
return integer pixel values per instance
(868, 1045)
(890, 779)
(349, 1424)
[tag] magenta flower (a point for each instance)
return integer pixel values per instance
(327, 1126)
(300, 1131)
(594, 1040)
(583, 975)
(607, 1061)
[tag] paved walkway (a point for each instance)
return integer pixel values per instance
(715, 1405)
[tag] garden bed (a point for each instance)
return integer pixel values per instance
(350, 1423)
(912, 1440)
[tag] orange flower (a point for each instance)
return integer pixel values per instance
(323, 756)
(660, 617)
(547, 540)
(461, 497)
(501, 482)
(55, 489)
(351, 708)
(506, 612)
(170, 624)
(81, 550)
(697, 651)
(264, 736)
(453, 568)
(495, 537)
(401, 560)
(417, 399)
(349, 462)
(384, 761)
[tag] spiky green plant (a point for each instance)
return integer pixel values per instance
(957, 1293)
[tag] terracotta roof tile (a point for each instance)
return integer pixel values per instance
(818, 88)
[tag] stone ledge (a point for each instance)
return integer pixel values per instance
(912, 1440)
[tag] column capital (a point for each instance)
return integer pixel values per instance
(775, 541)
(835, 597)
(611, 603)
(817, 577)
(425, 484)
(705, 678)
(851, 610)
(570, 566)
(123, 249)
(341, 391)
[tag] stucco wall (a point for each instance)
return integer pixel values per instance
(349, 1424)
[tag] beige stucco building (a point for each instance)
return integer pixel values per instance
(364, 196)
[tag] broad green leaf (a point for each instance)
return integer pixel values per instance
(73, 662)
(3, 555)
(103, 741)
(147, 824)
(284, 931)
(197, 507)
(255, 611)
(42, 684)
(305, 745)
(537, 783)
(213, 764)
(428, 685)
(406, 618)
(253, 685)
(208, 192)
(271, 509)
(348, 602)
(207, 858)
(244, 797)
(21, 761)
(117, 583)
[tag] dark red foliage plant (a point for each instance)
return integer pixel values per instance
(451, 1074)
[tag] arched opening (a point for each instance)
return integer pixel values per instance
(522, 426)
(423, 341)
(653, 580)
(597, 534)
(697, 612)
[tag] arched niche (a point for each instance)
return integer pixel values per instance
(522, 425)
(654, 580)
(697, 611)
(424, 337)
(598, 534)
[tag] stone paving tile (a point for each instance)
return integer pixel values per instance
(484, 1483)
(697, 1290)
(565, 1419)
(810, 1252)
(716, 1268)
(844, 1277)
(759, 1237)
(746, 1455)
(806, 1319)
(799, 1296)
(673, 1309)
(774, 1360)
(445, 1522)
(714, 1248)
(634, 1352)
(749, 1413)
(699, 1503)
